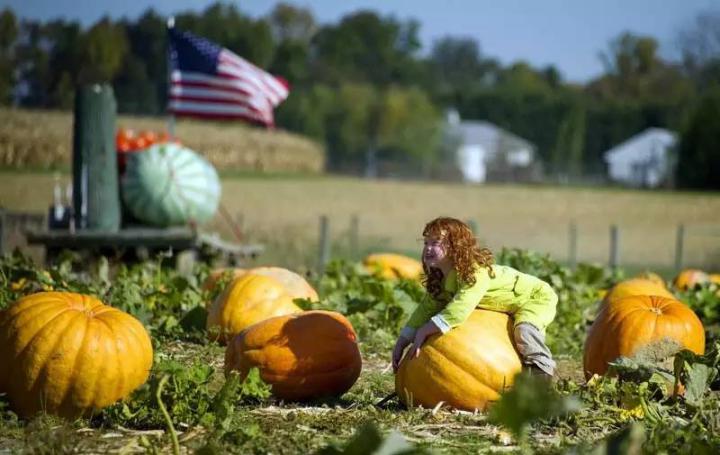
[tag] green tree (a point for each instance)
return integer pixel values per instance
(567, 155)
(292, 23)
(104, 47)
(456, 63)
(364, 47)
(8, 35)
(699, 151)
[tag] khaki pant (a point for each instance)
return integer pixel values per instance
(530, 343)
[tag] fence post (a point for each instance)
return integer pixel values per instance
(614, 246)
(572, 244)
(2, 232)
(324, 243)
(679, 244)
(473, 226)
(354, 236)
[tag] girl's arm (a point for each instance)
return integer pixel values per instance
(425, 309)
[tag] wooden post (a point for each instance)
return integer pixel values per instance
(324, 242)
(354, 236)
(96, 196)
(679, 246)
(572, 244)
(614, 246)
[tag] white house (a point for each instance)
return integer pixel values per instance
(485, 151)
(644, 160)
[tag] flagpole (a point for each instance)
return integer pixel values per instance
(171, 116)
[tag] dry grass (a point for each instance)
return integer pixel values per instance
(284, 212)
(43, 139)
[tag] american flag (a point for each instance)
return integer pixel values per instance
(208, 81)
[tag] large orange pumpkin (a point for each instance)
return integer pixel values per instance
(641, 325)
(295, 284)
(302, 356)
(465, 368)
(68, 354)
(392, 266)
(689, 278)
(637, 286)
(245, 301)
(714, 278)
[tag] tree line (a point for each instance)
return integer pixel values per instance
(363, 87)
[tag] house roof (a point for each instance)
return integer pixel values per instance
(489, 135)
(642, 144)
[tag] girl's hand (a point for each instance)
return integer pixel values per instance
(420, 336)
(397, 353)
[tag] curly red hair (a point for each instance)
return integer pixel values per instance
(462, 248)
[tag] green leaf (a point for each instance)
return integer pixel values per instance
(531, 399)
(696, 383)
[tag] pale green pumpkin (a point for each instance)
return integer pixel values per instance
(170, 185)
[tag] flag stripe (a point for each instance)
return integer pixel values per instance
(180, 92)
(268, 81)
(205, 107)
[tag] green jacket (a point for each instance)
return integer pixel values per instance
(525, 297)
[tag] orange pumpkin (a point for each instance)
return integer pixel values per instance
(302, 356)
(651, 276)
(70, 354)
(296, 285)
(641, 324)
(637, 286)
(689, 278)
(392, 266)
(714, 278)
(214, 277)
(465, 368)
(247, 300)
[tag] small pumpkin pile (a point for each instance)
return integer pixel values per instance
(303, 355)
(393, 266)
(71, 355)
(251, 296)
(247, 300)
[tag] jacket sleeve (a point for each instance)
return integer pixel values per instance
(420, 316)
(463, 303)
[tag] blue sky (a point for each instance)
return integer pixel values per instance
(567, 33)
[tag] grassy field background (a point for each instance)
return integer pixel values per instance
(283, 212)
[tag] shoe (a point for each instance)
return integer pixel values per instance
(533, 370)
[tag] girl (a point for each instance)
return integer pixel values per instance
(459, 277)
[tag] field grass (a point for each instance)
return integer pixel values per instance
(283, 212)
